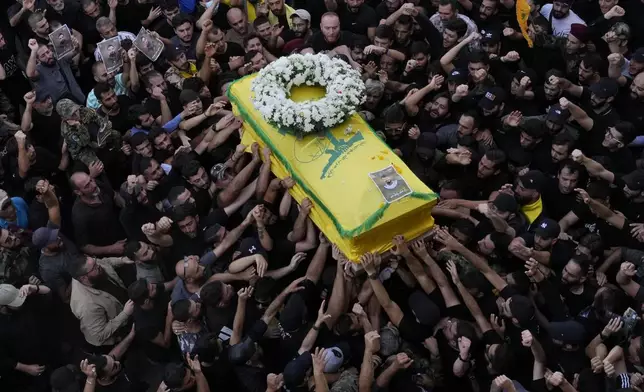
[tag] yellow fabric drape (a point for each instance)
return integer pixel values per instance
(333, 171)
(523, 12)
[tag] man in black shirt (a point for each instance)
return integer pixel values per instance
(330, 37)
(357, 17)
(114, 107)
(153, 320)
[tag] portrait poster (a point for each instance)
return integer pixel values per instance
(61, 40)
(148, 44)
(110, 50)
(390, 183)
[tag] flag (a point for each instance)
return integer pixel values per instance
(523, 12)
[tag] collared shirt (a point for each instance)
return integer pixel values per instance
(122, 35)
(175, 76)
(119, 89)
(57, 81)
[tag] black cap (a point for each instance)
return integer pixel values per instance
(493, 96)
(638, 55)
(295, 371)
(293, 314)
(534, 179)
(522, 309)
(548, 229)
(505, 203)
(457, 76)
(490, 37)
(426, 311)
(173, 52)
(569, 332)
(426, 144)
(634, 180)
(530, 73)
(558, 115)
(250, 246)
(605, 88)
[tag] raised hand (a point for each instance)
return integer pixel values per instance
(514, 119)
(400, 247)
(414, 132)
(453, 272)
(296, 260)
(403, 361)
(372, 341)
(526, 338)
(368, 262)
(613, 326)
(245, 293)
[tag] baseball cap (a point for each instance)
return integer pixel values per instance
(558, 115)
(210, 234)
(490, 37)
(570, 331)
(389, 339)
(605, 88)
(188, 96)
(334, 359)
(295, 371)
(292, 316)
(302, 14)
(638, 56)
(250, 246)
(534, 179)
(457, 76)
(173, 52)
(44, 236)
(66, 108)
(522, 309)
(579, 31)
(493, 96)
(634, 180)
(548, 229)
(505, 203)
(424, 308)
(4, 199)
(10, 296)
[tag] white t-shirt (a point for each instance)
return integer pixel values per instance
(561, 27)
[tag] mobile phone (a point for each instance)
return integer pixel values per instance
(630, 319)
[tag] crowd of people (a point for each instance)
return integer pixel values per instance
(144, 248)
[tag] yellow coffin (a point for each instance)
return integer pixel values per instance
(334, 170)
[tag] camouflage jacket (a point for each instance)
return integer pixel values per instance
(15, 266)
(79, 141)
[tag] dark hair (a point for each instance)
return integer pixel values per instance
(184, 211)
(212, 293)
(554, 72)
(457, 25)
(137, 139)
(502, 359)
(475, 117)
(497, 156)
(136, 111)
(85, 3)
(572, 166)
(583, 262)
(194, 83)
(474, 279)
(343, 325)
(251, 36)
(181, 310)
(99, 361)
(138, 291)
(563, 138)
(394, 114)
(141, 60)
(180, 19)
(449, 2)
(148, 76)
(359, 41)
(155, 132)
(594, 61)
(405, 20)
(131, 248)
(453, 185)
(521, 282)
(100, 89)
(385, 32)
(478, 56)
(593, 241)
(260, 21)
(627, 130)
(190, 169)
(144, 164)
(418, 47)
(598, 190)
(533, 130)
(465, 226)
(466, 141)
(173, 375)
(464, 328)
(167, 5)
(174, 193)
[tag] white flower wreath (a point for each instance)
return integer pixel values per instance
(345, 91)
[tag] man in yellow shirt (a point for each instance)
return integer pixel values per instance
(528, 192)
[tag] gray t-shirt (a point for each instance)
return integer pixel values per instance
(149, 272)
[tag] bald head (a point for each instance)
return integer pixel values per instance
(84, 185)
(637, 87)
(237, 21)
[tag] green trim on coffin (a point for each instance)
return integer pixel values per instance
(368, 223)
